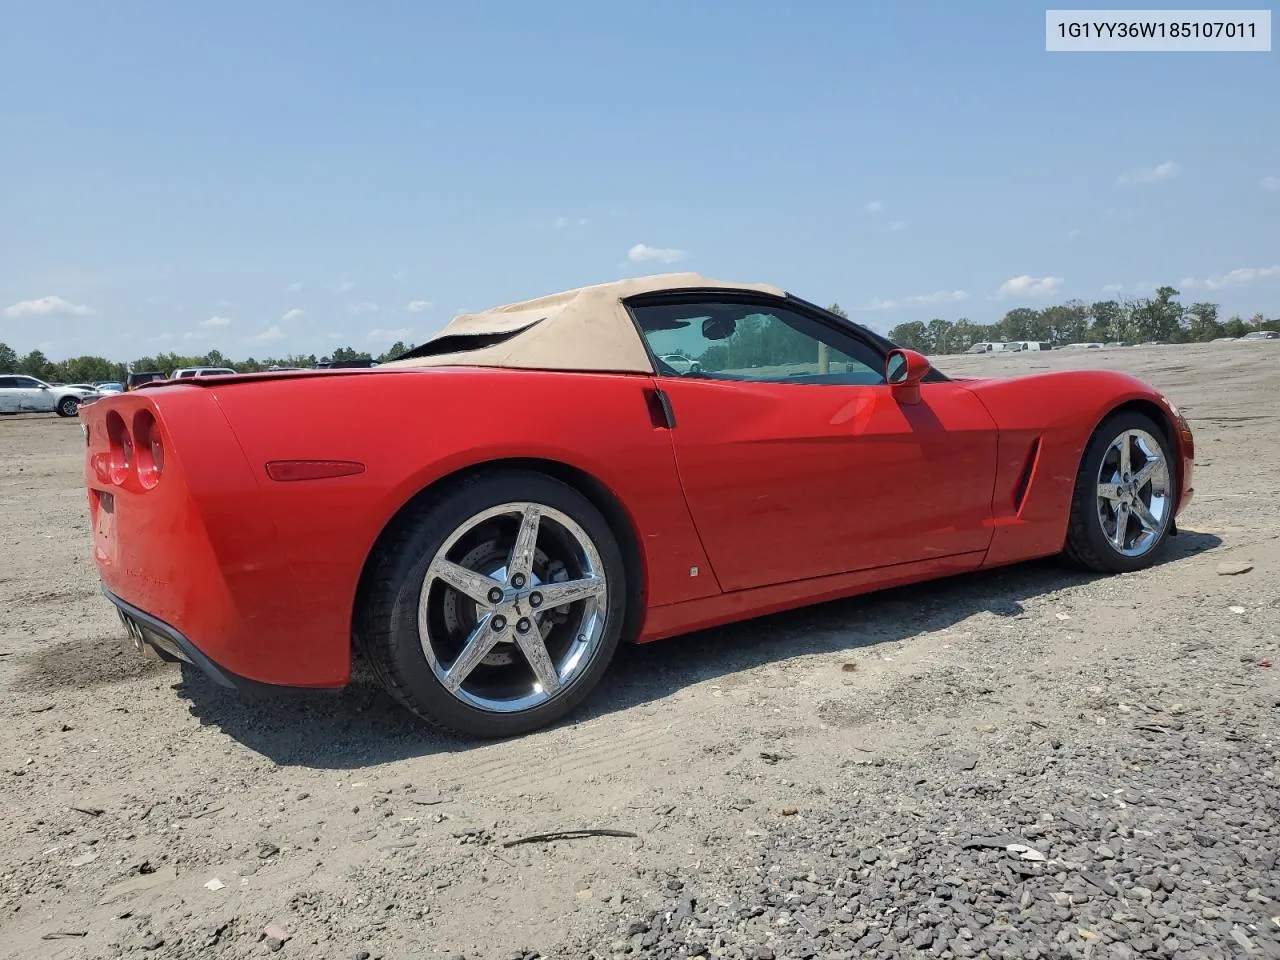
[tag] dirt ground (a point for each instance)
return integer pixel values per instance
(146, 811)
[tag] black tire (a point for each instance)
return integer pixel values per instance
(68, 407)
(1087, 541)
(386, 623)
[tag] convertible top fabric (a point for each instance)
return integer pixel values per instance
(586, 328)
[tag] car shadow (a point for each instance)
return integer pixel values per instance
(360, 725)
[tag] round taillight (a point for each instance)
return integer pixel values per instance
(120, 445)
(150, 451)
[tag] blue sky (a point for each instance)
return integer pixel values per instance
(270, 177)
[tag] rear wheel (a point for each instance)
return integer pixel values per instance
(495, 609)
(1124, 498)
(68, 406)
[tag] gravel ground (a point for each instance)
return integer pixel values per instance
(1023, 763)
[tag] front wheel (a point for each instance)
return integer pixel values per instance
(1124, 498)
(495, 609)
(68, 406)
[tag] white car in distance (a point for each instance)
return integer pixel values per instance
(23, 394)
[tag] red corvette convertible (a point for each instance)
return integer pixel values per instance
(487, 517)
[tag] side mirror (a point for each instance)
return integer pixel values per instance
(903, 370)
(45, 386)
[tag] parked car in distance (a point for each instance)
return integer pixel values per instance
(134, 380)
(109, 386)
(23, 394)
(680, 364)
(328, 364)
(184, 372)
(1256, 335)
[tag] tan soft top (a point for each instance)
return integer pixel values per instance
(586, 328)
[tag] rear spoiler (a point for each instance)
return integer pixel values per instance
(225, 378)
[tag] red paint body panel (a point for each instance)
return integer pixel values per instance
(304, 544)
(728, 607)
(1061, 410)
(800, 493)
(797, 481)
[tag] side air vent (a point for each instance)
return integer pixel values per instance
(1024, 478)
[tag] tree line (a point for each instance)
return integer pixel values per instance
(89, 369)
(1159, 319)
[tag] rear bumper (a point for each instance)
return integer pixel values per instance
(152, 634)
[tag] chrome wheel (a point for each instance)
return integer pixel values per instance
(1133, 493)
(513, 606)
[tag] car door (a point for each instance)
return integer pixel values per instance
(796, 458)
(8, 394)
(33, 396)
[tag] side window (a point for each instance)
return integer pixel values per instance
(728, 340)
(26, 383)
(7, 383)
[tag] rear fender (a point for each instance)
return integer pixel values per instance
(412, 429)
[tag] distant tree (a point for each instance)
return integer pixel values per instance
(913, 335)
(1107, 316)
(837, 310)
(1202, 322)
(964, 334)
(8, 358)
(1166, 315)
(1234, 327)
(36, 364)
(1019, 324)
(347, 353)
(394, 351)
(938, 333)
(1068, 323)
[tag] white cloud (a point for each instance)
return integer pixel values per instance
(920, 299)
(390, 336)
(293, 314)
(896, 225)
(1243, 275)
(272, 334)
(1073, 233)
(1164, 171)
(216, 322)
(294, 288)
(582, 221)
(1187, 283)
(562, 222)
(398, 275)
(642, 252)
(875, 206)
(1269, 183)
(44, 306)
(1026, 286)
(364, 308)
(417, 306)
(344, 286)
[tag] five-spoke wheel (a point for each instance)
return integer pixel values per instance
(495, 609)
(1124, 497)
